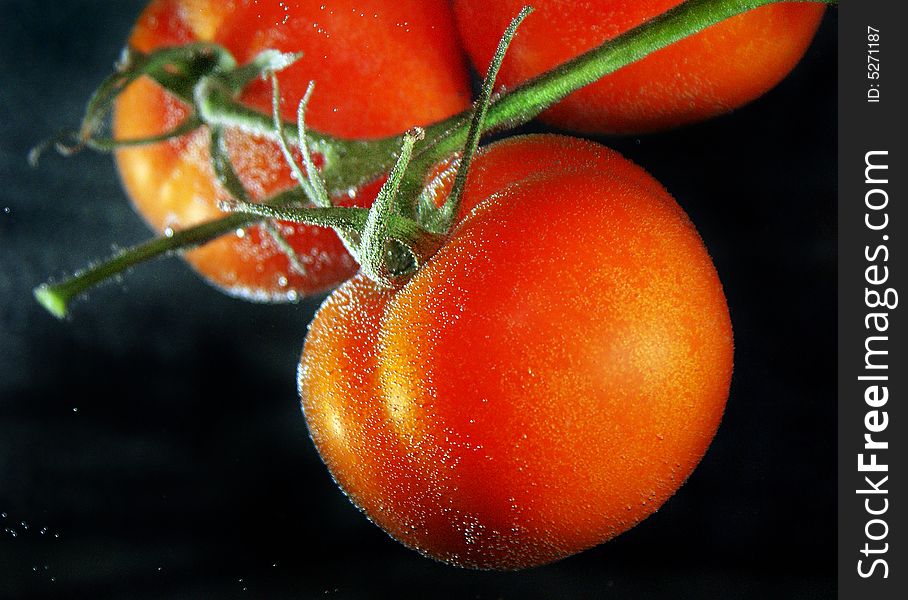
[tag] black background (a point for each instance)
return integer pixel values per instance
(158, 433)
(870, 126)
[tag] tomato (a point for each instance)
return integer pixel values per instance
(380, 68)
(707, 74)
(545, 381)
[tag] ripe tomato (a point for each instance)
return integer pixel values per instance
(547, 380)
(380, 66)
(710, 73)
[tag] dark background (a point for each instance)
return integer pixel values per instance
(152, 446)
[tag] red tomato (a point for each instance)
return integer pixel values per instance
(710, 73)
(380, 68)
(547, 380)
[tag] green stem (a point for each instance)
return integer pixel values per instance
(55, 297)
(376, 231)
(346, 218)
(440, 220)
(346, 164)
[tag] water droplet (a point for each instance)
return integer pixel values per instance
(282, 281)
(241, 233)
(168, 232)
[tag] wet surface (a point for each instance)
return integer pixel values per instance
(153, 445)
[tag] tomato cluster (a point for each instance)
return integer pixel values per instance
(556, 370)
(383, 67)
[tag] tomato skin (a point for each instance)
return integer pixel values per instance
(710, 73)
(547, 380)
(369, 84)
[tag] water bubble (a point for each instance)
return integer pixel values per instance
(241, 233)
(75, 409)
(6, 210)
(168, 232)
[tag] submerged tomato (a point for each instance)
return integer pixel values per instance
(721, 68)
(380, 68)
(547, 380)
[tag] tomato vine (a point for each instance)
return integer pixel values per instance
(208, 79)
